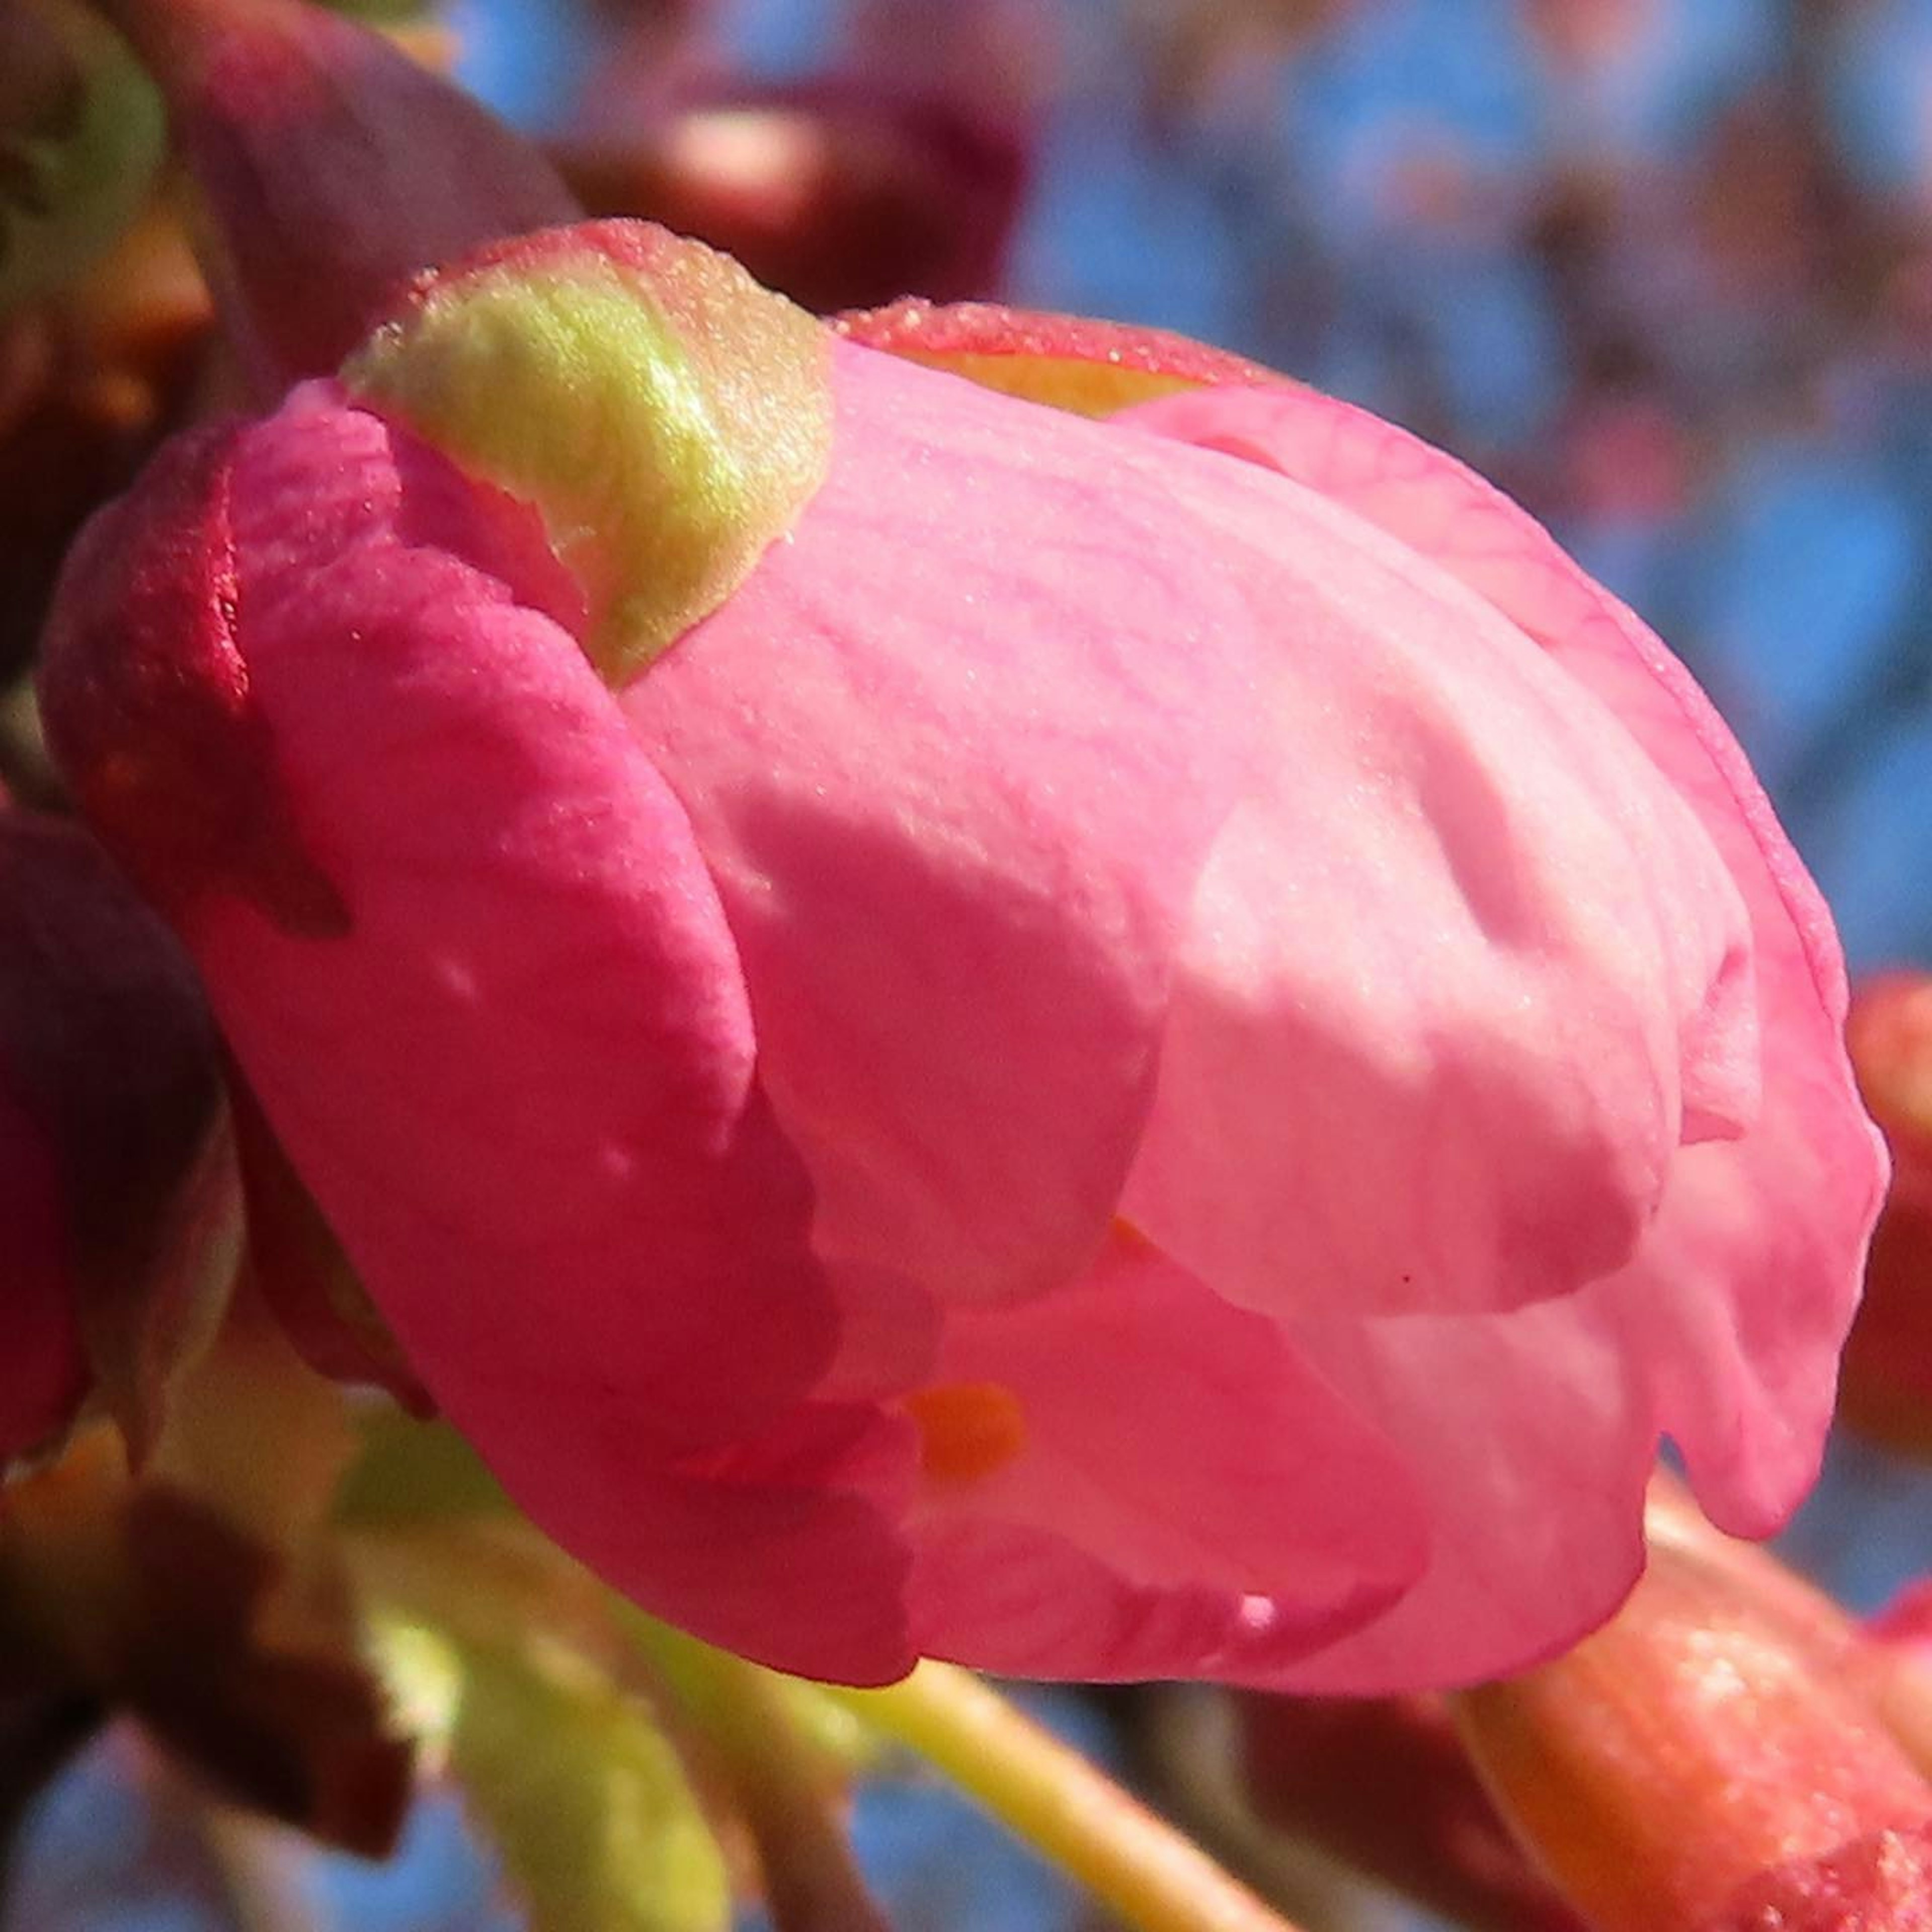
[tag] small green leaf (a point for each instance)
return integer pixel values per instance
(571, 1779)
(81, 135)
(382, 13)
(668, 418)
(407, 1472)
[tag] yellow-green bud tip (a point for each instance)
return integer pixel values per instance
(667, 416)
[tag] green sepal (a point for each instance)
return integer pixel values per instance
(79, 147)
(667, 416)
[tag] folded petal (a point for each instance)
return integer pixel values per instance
(1723, 1327)
(786, 1549)
(518, 1071)
(1133, 1478)
(1460, 967)
(955, 751)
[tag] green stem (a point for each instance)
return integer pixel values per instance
(785, 1785)
(1153, 1878)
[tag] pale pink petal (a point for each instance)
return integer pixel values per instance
(1724, 1329)
(1449, 959)
(956, 752)
(1183, 1496)
(1532, 1433)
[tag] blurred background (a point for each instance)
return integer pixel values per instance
(1663, 268)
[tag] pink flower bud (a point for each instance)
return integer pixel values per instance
(1151, 1045)
(1714, 1759)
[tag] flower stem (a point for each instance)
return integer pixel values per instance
(1153, 1878)
(788, 1792)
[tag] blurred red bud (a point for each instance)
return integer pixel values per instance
(1886, 1388)
(108, 1094)
(332, 168)
(1881, 1882)
(1712, 1760)
(844, 193)
(1384, 1784)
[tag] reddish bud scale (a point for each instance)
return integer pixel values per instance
(107, 1091)
(1887, 1385)
(147, 702)
(314, 142)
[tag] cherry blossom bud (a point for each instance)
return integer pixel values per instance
(1711, 1760)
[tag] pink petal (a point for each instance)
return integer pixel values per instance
(1463, 971)
(785, 1549)
(1068, 362)
(518, 1071)
(955, 753)
(1724, 1329)
(1186, 1497)
(521, 1083)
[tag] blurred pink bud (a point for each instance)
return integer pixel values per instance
(1115, 1048)
(1714, 1759)
(330, 166)
(1887, 1386)
(107, 1091)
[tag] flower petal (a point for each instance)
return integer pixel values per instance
(1724, 1329)
(1183, 1495)
(785, 1549)
(1463, 971)
(954, 751)
(521, 1083)
(1066, 361)
(518, 1069)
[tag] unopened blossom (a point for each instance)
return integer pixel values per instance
(1151, 1046)
(1730, 1753)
